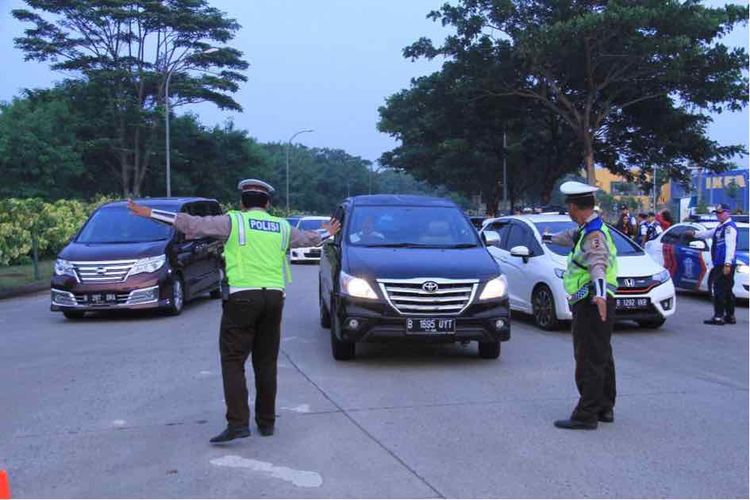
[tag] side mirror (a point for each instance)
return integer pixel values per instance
(491, 238)
(698, 245)
(521, 251)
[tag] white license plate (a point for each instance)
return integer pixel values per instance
(430, 326)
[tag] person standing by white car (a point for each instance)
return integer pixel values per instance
(724, 259)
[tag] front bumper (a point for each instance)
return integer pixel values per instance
(379, 322)
(142, 291)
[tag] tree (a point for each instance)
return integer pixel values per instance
(127, 49)
(606, 67)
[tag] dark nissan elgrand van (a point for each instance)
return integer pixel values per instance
(120, 261)
(410, 267)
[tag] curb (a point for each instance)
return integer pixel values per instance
(24, 290)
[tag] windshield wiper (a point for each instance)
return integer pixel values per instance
(402, 244)
(461, 245)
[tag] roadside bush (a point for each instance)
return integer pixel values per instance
(53, 223)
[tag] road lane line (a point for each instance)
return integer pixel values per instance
(301, 478)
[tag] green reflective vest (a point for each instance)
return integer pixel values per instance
(577, 279)
(255, 252)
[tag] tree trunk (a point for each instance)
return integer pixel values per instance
(588, 157)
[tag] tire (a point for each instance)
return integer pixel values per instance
(341, 350)
(216, 294)
(325, 314)
(177, 297)
(489, 350)
(74, 314)
(652, 323)
(544, 309)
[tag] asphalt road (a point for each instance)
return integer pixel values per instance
(124, 407)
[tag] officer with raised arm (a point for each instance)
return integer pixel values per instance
(590, 281)
(257, 271)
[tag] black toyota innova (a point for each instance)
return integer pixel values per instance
(120, 261)
(410, 267)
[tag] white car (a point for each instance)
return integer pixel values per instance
(534, 270)
(308, 254)
(689, 260)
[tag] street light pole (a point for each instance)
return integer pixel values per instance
(505, 170)
(166, 117)
(654, 188)
(288, 145)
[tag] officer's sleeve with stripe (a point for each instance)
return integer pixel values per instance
(563, 238)
(596, 258)
(704, 235)
(730, 239)
(193, 226)
(302, 239)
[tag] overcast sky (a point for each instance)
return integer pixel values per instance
(326, 65)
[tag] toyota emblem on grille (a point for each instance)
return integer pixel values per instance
(430, 286)
(630, 283)
(101, 270)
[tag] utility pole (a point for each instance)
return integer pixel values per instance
(505, 170)
(288, 145)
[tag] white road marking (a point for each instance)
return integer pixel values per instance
(287, 339)
(118, 423)
(205, 373)
(298, 408)
(303, 478)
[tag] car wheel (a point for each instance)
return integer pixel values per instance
(325, 314)
(651, 323)
(341, 350)
(74, 314)
(177, 298)
(216, 293)
(543, 306)
(489, 350)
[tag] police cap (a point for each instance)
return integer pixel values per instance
(574, 190)
(255, 185)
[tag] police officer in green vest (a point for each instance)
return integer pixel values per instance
(257, 271)
(590, 281)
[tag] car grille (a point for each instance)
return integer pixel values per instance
(111, 271)
(419, 295)
(641, 284)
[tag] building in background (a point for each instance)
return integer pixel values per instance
(707, 189)
(620, 188)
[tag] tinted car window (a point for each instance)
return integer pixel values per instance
(742, 239)
(117, 225)
(516, 237)
(310, 224)
(426, 226)
(501, 228)
(673, 235)
(623, 244)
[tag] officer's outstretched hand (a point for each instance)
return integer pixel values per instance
(139, 210)
(601, 305)
(333, 226)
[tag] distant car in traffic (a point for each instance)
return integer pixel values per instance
(410, 267)
(689, 260)
(308, 254)
(535, 270)
(119, 261)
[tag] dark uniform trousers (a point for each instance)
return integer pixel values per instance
(595, 366)
(250, 323)
(722, 291)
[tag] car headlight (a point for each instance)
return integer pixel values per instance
(743, 268)
(661, 277)
(356, 287)
(559, 272)
(495, 288)
(148, 265)
(64, 268)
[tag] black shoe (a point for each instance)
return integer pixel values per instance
(576, 424)
(265, 430)
(231, 433)
(607, 416)
(730, 320)
(714, 321)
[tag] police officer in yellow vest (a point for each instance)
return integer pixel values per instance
(590, 281)
(257, 271)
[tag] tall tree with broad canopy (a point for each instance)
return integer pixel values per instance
(623, 75)
(127, 49)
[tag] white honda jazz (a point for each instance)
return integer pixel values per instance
(534, 271)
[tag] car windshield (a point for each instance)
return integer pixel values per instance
(622, 243)
(310, 224)
(403, 226)
(117, 225)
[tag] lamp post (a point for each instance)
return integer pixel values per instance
(166, 116)
(288, 145)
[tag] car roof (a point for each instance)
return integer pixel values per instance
(532, 218)
(313, 217)
(176, 202)
(710, 224)
(400, 200)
